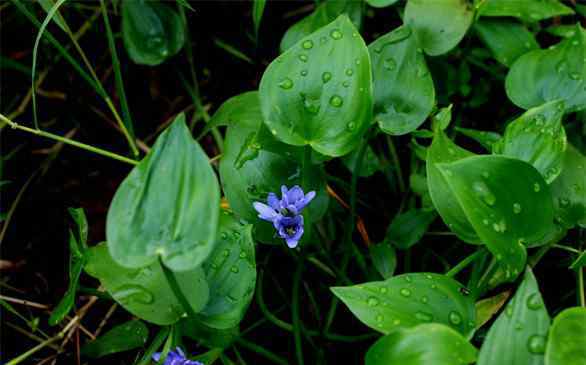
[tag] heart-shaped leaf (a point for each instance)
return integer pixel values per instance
(408, 300)
(425, 344)
(518, 336)
(440, 24)
(319, 92)
(396, 62)
(443, 150)
(152, 31)
(551, 74)
(537, 137)
(566, 344)
(145, 292)
(167, 206)
(526, 10)
(569, 190)
(507, 202)
(507, 40)
(127, 336)
(326, 12)
(230, 273)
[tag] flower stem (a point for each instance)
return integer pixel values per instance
(297, 325)
(172, 280)
(580, 288)
(68, 141)
(462, 264)
(397, 163)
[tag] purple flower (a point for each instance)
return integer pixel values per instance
(285, 214)
(176, 357)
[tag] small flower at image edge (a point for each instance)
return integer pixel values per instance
(285, 213)
(176, 357)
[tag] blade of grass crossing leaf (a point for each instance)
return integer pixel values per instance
(232, 50)
(117, 73)
(47, 5)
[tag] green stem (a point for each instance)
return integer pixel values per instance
(462, 264)
(580, 289)
(172, 280)
(297, 325)
(566, 248)
(71, 142)
(262, 352)
(395, 157)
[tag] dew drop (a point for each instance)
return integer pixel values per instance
(518, 326)
(485, 222)
(575, 76)
(536, 344)
(308, 44)
(242, 255)
(534, 301)
(225, 253)
(303, 73)
(336, 101)
(405, 292)
(539, 120)
(455, 318)
(303, 58)
(383, 290)
(351, 126)
(509, 310)
(379, 318)
(407, 278)
(536, 187)
(516, 208)
(336, 34)
(424, 299)
(482, 190)
(127, 294)
(286, 84)
(500, 227)
(349, 72)
(224, 235)
(424, 316)
(390, 64)
(372, 302)
(346, 83)
(234, 269)
(326, 76)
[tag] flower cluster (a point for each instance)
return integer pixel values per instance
(176, 357)
(285, 214)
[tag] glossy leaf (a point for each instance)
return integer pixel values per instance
(251, 180)
(537, 137)
(518, 336)
(444, 150)
(370, 163)
(488, 307)
(397, 62)
(408, 228)
(566, 344)
(485, 138)
(425, 344)
(550, 74)
(505, 215)
(323, 14)
(507, 40)
(408, 300)
(124, 337)
(569, 190)
(319, 92)
(167, 206)
(145, 292)
(208, 336)
(384, 258)
(230, 273)
(440, 24)
(152, 31)
(526, 10)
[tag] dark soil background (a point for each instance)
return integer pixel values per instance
(35, 252)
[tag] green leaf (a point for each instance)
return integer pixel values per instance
(58, 18)
(408, 228)
(506, 216)
(245, 182)
(370, 163)
(566, 344)
(152, 31)
(485, 138)
(80, 220)
(569, 190)
(550, 74)
(384, 258)
(518, 336)
(167, 206)
(380, 3)
(526, 10)
(440, 24)
(258, 8)
(124, 337)
(76, 262)
(319, 92)
(208, 336)
(425, 344)
(325, 13)
(507, 40)
(396, 62)
(231, 275)
(537, 137)
(562, 30)
(443, 117)
(145, 292)
(488, 307)
(408, 300)
(443, 150)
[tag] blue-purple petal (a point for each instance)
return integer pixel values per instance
(265, 212)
